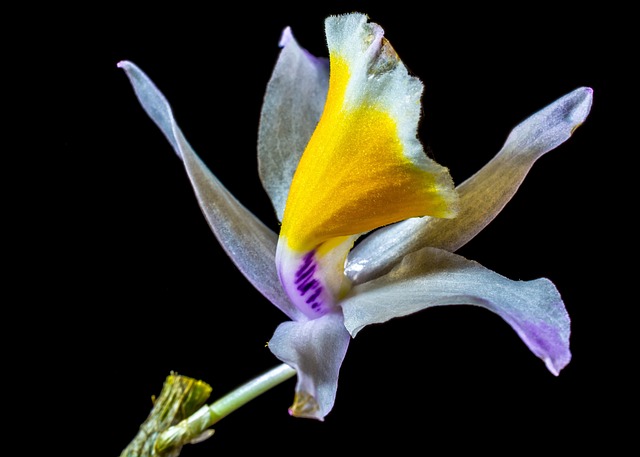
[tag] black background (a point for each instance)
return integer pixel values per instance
(131, 285)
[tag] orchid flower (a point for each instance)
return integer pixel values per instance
(340, 160)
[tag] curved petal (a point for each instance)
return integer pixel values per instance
(316, 349)
(250, 244)
(482, 196)
(364, 166)
(434, 277)
(292, 106)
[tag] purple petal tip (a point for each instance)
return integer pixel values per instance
(286, 36)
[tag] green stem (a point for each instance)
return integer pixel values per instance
(195, 427)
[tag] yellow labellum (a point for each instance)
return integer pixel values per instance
(353, 176)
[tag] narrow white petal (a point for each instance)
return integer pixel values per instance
(434, 277)
(292, 106)
(250, 244)
(482, 196)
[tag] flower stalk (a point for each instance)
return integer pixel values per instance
(195, 428)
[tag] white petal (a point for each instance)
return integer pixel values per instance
(482, 196)
(316, 349)
(434, 277)
(292, 106)
(250, 244)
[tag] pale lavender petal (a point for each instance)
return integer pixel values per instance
(292, 106)
(316, 349)
(250, 244)
(482, 196)
(434, 277)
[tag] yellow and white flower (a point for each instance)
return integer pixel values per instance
(339, 158)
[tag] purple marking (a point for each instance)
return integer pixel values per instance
(304, 275)
(304, 278)
(304, 287)
(307, 267)
(547, 341)
(314, 295)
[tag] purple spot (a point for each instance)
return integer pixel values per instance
(304, 288)
(302, 275)
(314, 295)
